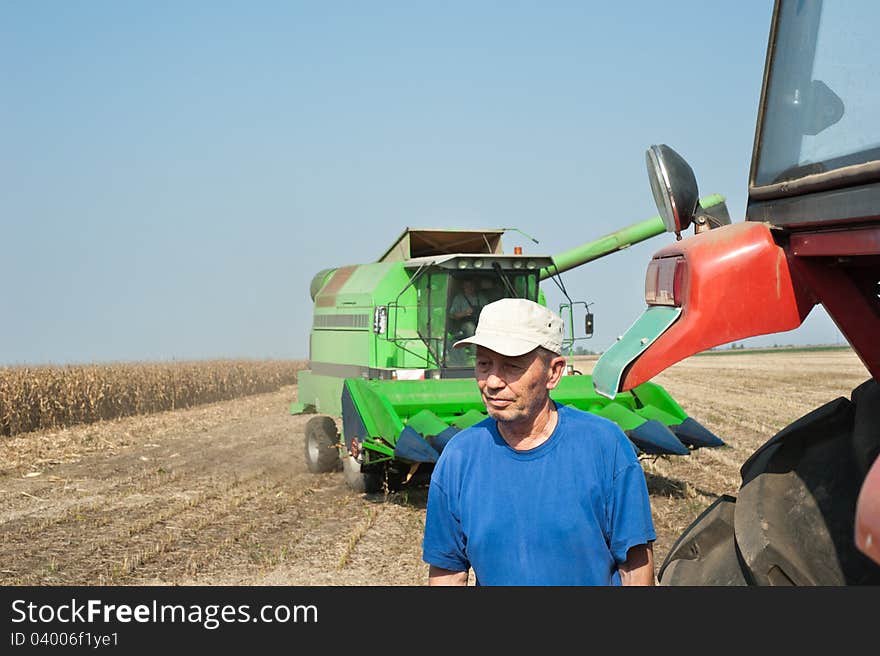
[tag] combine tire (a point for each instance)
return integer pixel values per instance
(322, 441)
(358, 480)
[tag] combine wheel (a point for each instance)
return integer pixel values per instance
(369, 481)
(322, 441)
(395, 479)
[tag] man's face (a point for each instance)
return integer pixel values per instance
(469, 287)
(515, 388)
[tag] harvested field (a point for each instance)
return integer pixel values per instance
(219, 494)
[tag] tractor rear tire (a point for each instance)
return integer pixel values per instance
(793, 520)
(322, 445)
(359, 480)
(706, 553)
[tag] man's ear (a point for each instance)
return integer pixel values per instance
(556, 369)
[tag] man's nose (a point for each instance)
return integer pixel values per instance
(494, 381)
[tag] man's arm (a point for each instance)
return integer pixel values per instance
(638, 568)
(460, 308)
(440, 576)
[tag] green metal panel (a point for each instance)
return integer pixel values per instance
(647, 328)
(364, 282)
(446, 398)
(427, 423)
(578, 391)
(342, 321)
(342, 332)
(379, 417)
(400, 346)
(429, 406)
(652, 412)
(469, 418)
(352, 347)
(658, 404)
(628, 410)
(323, 393)
(620, 415)
(450, 399)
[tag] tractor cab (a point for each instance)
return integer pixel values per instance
(807, 511)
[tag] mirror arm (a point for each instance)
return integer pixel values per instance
(704, 221)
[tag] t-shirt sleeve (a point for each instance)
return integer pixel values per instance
(444, 542)
(631, 521)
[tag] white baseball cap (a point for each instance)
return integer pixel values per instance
(515, 326)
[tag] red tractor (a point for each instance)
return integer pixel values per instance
(808, 508)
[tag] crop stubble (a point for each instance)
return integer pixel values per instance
(220, 494)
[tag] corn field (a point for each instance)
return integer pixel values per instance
(46, 397)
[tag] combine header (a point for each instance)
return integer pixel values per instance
(381, 356)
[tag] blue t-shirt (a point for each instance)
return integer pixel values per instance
(563, 513)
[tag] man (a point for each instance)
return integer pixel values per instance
(465, 308)
(537, 493)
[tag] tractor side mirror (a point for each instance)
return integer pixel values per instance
(588, 324)
(673, 186)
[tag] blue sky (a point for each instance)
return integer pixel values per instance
(173, 174)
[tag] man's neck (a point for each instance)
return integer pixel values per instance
(532, 432)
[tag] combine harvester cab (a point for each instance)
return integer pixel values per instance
(381, 356)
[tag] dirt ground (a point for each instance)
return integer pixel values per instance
(220, 494)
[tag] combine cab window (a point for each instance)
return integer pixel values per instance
(432, 290)
(468, 293)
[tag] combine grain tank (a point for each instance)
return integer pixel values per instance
(381, 356)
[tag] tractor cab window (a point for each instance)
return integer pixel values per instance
(822, 98)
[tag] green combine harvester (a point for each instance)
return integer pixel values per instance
(381, 356)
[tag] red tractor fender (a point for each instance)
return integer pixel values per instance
(736, 283)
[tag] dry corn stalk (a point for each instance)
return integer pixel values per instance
(38, 398)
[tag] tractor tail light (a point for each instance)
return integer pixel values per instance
(664, 281)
